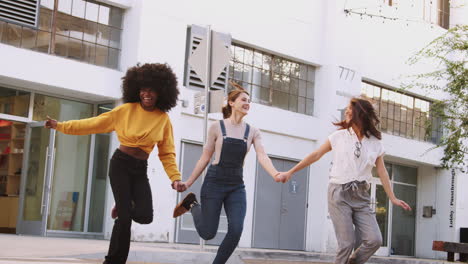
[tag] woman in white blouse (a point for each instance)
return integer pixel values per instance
(357, 148)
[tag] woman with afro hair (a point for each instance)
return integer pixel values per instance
(149, 92)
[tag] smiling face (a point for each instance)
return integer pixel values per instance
(148, 98)
(241, 104)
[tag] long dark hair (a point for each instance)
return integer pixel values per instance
(232, 96)
(364, 117)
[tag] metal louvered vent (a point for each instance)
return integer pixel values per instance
(195, 34)
(23, 12)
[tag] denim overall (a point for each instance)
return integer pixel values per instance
(224, 185)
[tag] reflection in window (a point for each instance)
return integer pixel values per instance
(99, 177)
(14, 102)
(403, 115)
(273, 80)
(81, 28)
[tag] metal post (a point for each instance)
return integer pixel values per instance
(207, 99)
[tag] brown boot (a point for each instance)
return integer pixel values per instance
(185, 205)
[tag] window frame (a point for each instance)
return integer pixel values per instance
(300, 90)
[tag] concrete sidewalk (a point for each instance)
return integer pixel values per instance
(16, 249)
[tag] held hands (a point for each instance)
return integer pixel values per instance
(50, 123)
(283, 177)
(179, 186)
(401, 203)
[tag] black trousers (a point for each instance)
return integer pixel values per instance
(133, 200)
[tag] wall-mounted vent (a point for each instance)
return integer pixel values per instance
(23, 12)
(195, 35)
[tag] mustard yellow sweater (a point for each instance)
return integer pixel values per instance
(135, 127)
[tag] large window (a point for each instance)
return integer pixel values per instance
(403, 115)
(273, 80)
(75, 29)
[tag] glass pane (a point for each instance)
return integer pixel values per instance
(63, 24)
(114, 56)
(45, 19)
(88, 52)
(104, 15)
(280, 100)
(256, 76)
(266, 82)
(28, 38)
(2, 26)
(260, 95)
(276, 81)
(91, 11)
(103, 35)
(115, 38)
(90, 31)
(405, 174)
(267, 60)
(381, 212)
(78, 8)
(248, 57)
(302, 88)
(115, 17)
(65, 6)
(238, 70)
(310, 90)
(102, 54)
(238, 54)
(294, 70)
(47, 4)
(309, 107)
(277, 65)
(310, 74)
(13, 102)
(77, 26)
(43, 41)
(99, 179)
(35, 174)
(257, 59)
(61, 45)
(247, 74)
(12, 35)
(74, 49)
(303, 72)
(293, 103)
(70, 173)
(294, 86)
(403, 222)
(301, 103)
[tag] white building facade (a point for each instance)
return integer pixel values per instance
(300, 62)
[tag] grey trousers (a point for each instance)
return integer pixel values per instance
(349, 208)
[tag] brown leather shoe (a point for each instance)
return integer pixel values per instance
(184, 205)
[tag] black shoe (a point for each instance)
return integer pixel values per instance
(185, 205)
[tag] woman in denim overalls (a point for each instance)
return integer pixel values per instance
(224, 184)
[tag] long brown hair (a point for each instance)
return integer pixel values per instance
(232, 96)
(364, 117)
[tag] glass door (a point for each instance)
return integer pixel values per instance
(396, 225)
(380, 207)
(36, 179)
